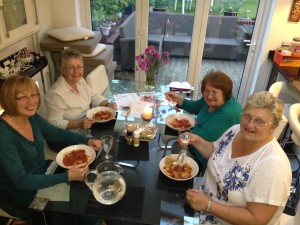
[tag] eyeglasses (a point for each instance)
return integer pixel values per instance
(213, 93)
(26, 98)
(257, 122)
(72, 69)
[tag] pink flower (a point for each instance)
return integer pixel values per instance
(151, 59)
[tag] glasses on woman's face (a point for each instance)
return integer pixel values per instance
(213, 93)
(26, 98)
(72, 69)
(259, 123)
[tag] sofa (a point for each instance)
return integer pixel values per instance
(172, 32)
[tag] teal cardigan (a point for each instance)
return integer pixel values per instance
(211, 125)
(22, 162)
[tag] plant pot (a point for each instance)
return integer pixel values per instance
(230, 13)
(160, 9)
(105, 31)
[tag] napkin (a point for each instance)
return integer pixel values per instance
(190, 220)
(59, 192)
(183, 87)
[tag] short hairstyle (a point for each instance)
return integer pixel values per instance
(218, 80)
(11, 87)
(69, 53)
(266, 100)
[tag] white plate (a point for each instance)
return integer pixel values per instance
(189, 160)
(88, 150)
(93, 111)
(171, 117)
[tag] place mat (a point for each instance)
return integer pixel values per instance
(100, 127)
(128, 152)
(130, 205)
(170, 131)
(167, 183)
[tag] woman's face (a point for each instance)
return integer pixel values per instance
(257, 124)
(72, 70)
(212, 96)
(27, 102)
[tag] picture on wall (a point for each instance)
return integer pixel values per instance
(295, 11)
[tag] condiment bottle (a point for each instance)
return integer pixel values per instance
(136, 138)
(129, 137)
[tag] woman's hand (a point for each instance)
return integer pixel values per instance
(112, 105)
(172, 96)
(197, 199)
(77, 172)
(87, 123)
(195, 139)
(95, 144)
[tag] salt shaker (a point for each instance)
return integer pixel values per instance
(136, 138)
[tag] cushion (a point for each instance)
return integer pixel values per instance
(99, 48)
(71, 33)
(84, 46)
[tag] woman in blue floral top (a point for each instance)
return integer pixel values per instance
(248, 175)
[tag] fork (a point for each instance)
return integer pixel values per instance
(179, 160)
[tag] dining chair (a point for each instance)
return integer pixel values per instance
(289, 95)
(294, 114)
(8, 216)
(98, 79)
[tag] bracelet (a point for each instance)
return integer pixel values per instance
(208, 206)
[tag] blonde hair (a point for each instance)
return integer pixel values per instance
(265, 99)
(11, 87)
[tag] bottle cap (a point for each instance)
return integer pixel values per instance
(136, 133)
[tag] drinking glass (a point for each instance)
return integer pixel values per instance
(156, 105)
(107, 142)
(125, 111)
(184, 137)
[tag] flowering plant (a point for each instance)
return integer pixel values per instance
(151, 59)
(105, 23)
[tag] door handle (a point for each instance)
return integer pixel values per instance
(251, 44)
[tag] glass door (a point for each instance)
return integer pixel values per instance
(228, 37)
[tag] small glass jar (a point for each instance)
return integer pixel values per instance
(136, 138)
(129, 137)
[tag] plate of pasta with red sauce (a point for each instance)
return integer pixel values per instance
(75, 154)
(186, 171)
(180, 122)
(101, 114)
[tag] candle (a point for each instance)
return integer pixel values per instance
(147, 113)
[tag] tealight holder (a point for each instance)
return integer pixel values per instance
(147, 114)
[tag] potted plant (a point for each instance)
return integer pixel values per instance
(160, 5)
(105, 26)
(232, 7)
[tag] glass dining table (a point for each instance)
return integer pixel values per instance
(150, 197)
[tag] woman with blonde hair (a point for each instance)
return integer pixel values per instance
(248, 175)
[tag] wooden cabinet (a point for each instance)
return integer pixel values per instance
(18, 20)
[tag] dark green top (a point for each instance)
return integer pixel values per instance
(22, 162)
(211, 125)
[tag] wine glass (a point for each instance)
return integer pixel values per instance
(184, 137)
(107, 142)
(156, 105)
(125, 111)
